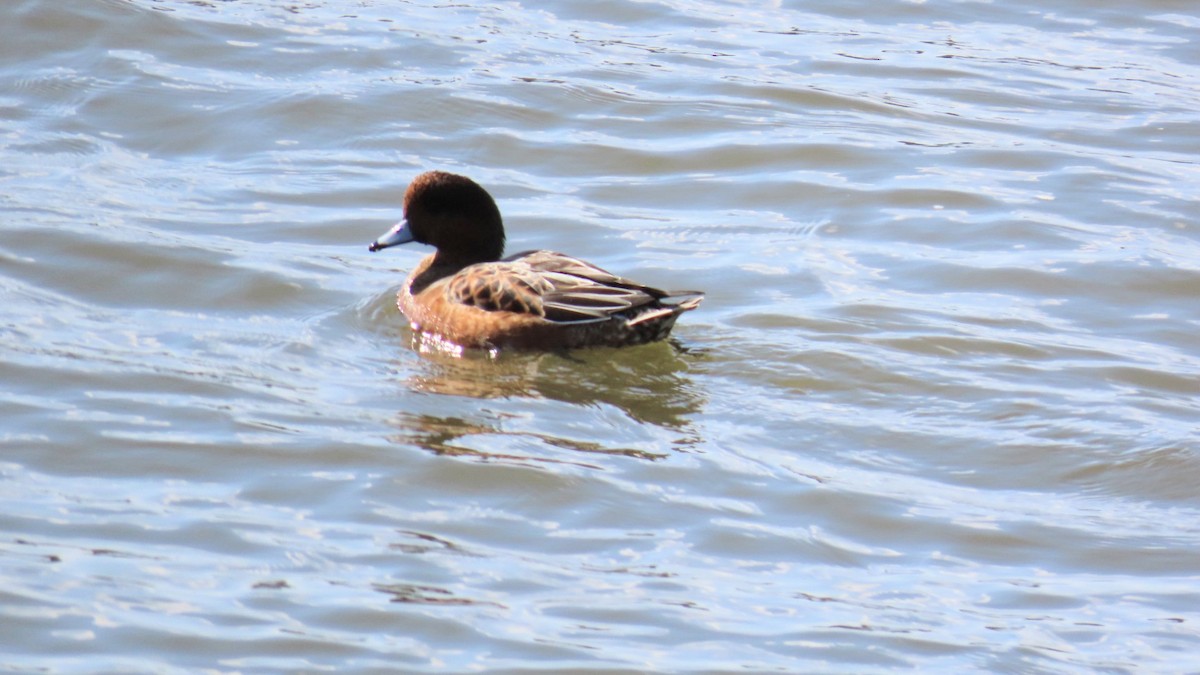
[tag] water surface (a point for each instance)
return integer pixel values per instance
(938, 411)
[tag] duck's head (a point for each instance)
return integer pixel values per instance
(452, 213)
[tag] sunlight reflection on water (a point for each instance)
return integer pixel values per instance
(937, 410)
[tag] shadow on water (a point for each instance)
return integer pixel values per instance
(610, 394)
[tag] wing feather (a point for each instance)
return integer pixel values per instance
(554, 286)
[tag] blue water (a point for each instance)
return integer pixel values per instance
(937, 412)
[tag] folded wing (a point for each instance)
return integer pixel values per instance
(559, 288)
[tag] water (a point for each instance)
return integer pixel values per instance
(938, 411)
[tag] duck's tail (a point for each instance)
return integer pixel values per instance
(685, 300)
(673, 303)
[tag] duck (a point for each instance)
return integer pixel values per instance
(466, 295)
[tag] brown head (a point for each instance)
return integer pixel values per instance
(452, 213)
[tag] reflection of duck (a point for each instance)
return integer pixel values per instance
(585, 406)
(464, 294)
(665, 395)
(456, 437)
(474, 375)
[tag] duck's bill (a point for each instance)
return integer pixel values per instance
(399, 234)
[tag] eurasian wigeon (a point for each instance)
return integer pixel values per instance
(467, 295)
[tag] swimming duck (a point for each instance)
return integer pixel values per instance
(467, 295)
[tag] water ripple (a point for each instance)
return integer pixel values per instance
(936, 412)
